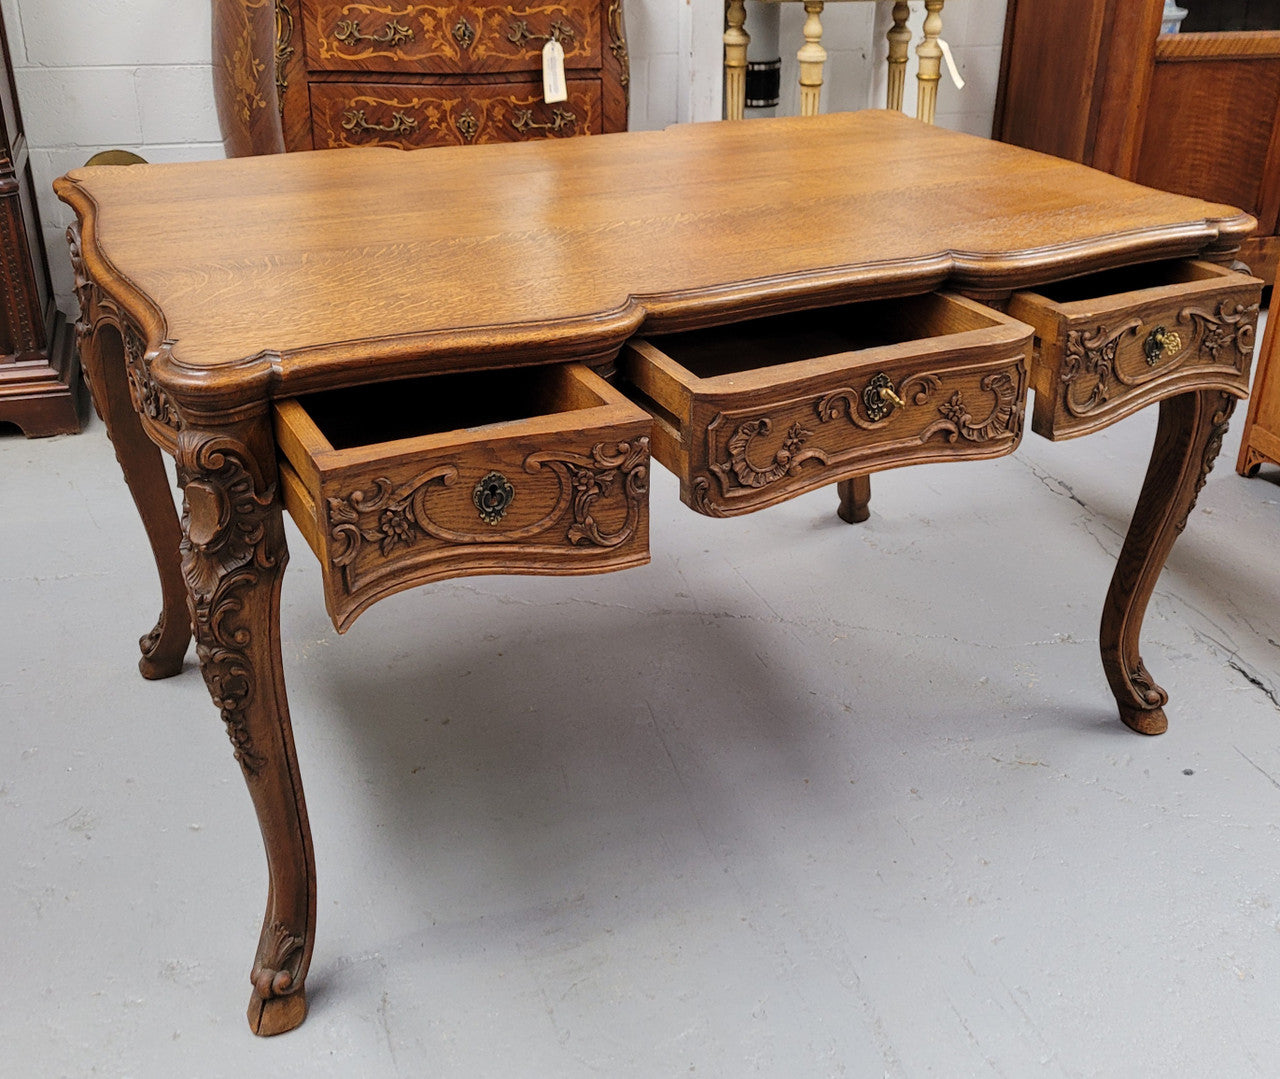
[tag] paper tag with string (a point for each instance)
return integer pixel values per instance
(553, 84)
(951, 64)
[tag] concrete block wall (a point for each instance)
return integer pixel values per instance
(137, 75)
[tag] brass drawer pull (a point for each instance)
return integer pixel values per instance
(492, 496)
(879, 398)
(463, 33)
(1159, 343)
(560, 119)
(348, 32)
(353, 120)
(560, 31)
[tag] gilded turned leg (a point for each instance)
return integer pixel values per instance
(102, 354)
(855, 499)
(1188, 438)
(233, 559)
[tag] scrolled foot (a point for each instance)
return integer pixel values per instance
(276, 1015)
(1144, 720)
(163, 650)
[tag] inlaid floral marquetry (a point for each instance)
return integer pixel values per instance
(389, 115)
(443, 37)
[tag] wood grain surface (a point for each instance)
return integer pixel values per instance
(303, 271)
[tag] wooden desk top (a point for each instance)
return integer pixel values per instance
(275, 275)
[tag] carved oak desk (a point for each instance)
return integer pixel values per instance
(447, 362)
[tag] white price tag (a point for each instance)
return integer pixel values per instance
(553, 85)
(951, 64)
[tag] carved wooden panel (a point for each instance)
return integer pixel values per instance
(365, 114)
(461, 37)
(1102, 356)
(749, 425)
(561, 489)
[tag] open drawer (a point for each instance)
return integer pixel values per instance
(1109, 343)
(537, 470)
(750, 414)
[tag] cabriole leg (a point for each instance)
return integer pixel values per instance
(102, 355)
(1188, 438)
(233, 559)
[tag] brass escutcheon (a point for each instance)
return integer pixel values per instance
(463, 34)
(492, 496)
(1160, 342)
(467, 124)
(879, 398)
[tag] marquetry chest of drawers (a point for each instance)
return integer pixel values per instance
(319, 74)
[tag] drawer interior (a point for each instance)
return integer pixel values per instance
(1148, 275)
(807, 335)
(391, 411)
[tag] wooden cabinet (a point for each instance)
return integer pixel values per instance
(1193, 112)
(1261, 439)
(39, 368)
(317, 74)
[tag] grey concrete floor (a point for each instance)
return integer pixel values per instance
(796, 799)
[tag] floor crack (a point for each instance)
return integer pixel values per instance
(1254, 680)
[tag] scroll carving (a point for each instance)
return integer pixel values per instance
(1005, 417)
(1231, 324)
(148, 398)
(224, 554)
(394, 516)
(1092, 354)
(845, 402)
(592, 477)
(785, 460)
(1213, 447)
(277, 947)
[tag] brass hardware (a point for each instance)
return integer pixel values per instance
(879, 398)
(463, 33)
(560, 119)
(492, 496)
(1159, 343)
(284, 49)
(560, 31)
(395, 33)
(467, 125)
(353, 120)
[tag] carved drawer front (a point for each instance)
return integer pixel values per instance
(366, 114)
(751, 414)
(540, 470)
(468, 37)
(1110, 343)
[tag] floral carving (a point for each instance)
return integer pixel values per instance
(386, 516)
(783, 462)
(1005, 417)
(394, 516)
(224, 554)
(1230, 324)
(592, 477)
(1092, 354)
(148, 398)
